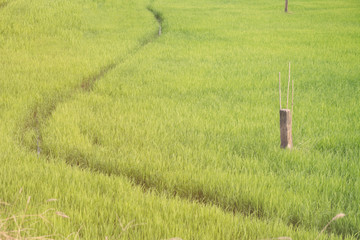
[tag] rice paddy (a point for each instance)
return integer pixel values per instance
(160, 119)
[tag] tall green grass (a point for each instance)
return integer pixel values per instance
(180, 136)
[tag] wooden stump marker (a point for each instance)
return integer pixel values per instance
(286, 6)
(286, 128)
(286, 117)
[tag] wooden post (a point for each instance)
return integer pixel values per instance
(285, 128)
(286, 6)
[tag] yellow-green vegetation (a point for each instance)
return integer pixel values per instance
(139, 135)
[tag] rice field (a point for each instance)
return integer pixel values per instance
(160, 119)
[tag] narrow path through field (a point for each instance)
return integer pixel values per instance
(41, 115)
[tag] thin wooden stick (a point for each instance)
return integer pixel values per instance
(292, 97)
(280, 88)
(287, 100)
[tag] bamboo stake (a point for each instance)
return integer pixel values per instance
(287, 99)
(292, 98)
(280, 88)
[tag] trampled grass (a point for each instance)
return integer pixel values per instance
(177, 135)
